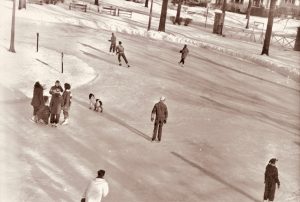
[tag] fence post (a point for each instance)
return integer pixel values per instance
(297, 41)
(62, 62)
(37, 42)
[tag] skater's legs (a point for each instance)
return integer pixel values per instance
(35, 110)
(181, 61)
(66, 114)
(155, 130)
(57, 118)
(52, 118)
(160, 131)
(124, 57)
(119, 58)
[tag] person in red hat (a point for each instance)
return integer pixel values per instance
(271, 179)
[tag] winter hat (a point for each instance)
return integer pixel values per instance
(101, 173)
(162, 98)
(273, 160)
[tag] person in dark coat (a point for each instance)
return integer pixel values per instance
(55, 103)
(37, 99)
(271, 179)
(113, 43)
(184, 52)
(66, 103)
(160, 111)
(121, 53)
(44, 112)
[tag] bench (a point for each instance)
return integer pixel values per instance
(78, 5)
(110, 10)
(127, 13)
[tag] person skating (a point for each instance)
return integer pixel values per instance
(121, 53)
(97, 189)
(55, 103)
(271, 179)
(37, 99)
(184, 52)
(113, 43)
(160, 111)
(98, 106)
(92, 100)
(66, 103)
(43, 113)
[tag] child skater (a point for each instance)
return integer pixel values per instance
(92, 101)
(66, 103)
(98, 106)
(43, 113)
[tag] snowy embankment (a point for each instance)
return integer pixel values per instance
(44, 66)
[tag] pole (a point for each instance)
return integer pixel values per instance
(62, 62)
(150, 16)
(12, 36)
(37, 42)
(206, 15)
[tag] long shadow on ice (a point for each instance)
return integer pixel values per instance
(215, 177)
(119, 121)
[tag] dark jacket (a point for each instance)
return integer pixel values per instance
(55, 104)
(184, 52)
(37, 99)
(161, 112)
(44, 113)
(271, 178)
(54, 88)
(66, 100)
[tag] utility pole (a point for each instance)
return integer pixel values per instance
(268, 35)
(150, 16)
(163, 16)
(12, 36)
(248, 13)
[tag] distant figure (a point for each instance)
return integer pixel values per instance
(66, 103)
(184, 52)
(98, 106)
(92, 100)
(55, 103)
(97, 189)
(120, 52)
(44, 112)
(160, 111)
(37, 99)
(113, 43)
(271, 179)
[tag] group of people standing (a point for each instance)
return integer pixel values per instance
(60, 101)
(120, 51)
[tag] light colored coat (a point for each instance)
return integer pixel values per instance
(97, 189)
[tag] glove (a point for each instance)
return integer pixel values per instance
(152, 118)
(165, 121)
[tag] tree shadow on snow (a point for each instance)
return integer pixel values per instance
(216, 177)
(119, 121)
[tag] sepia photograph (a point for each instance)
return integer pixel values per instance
(150, 100)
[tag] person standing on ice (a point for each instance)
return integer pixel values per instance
(160, 111)
(271, 179)
(184, 52)
(97, 189)
(37, 99)
(113, 43)
(55, 103)
(120, 52)
(66, 103)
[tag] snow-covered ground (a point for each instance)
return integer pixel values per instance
(228, 116)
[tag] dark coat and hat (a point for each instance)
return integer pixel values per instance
(184, 52)
(37, 99)
(271, 179)
(161, 112)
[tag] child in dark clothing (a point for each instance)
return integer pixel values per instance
(66, 103)
(43, 113)
(98, 106)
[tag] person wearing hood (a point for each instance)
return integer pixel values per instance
(97, 189)
(160, 111)
(37, 99)
(271, 179)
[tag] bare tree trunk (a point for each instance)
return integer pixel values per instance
(223, 16)
(97, 2)
(146, 3)
(22, 4)
(163, 16)
(177, 19)
(248, 13)
(268, 35)
(12, 36)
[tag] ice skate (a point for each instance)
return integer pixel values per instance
(33, 119)
(65, 122)
(128, 65)
(120, 64)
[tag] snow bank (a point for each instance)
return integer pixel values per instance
(44, 66)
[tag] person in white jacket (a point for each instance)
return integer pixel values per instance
(96, 189)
